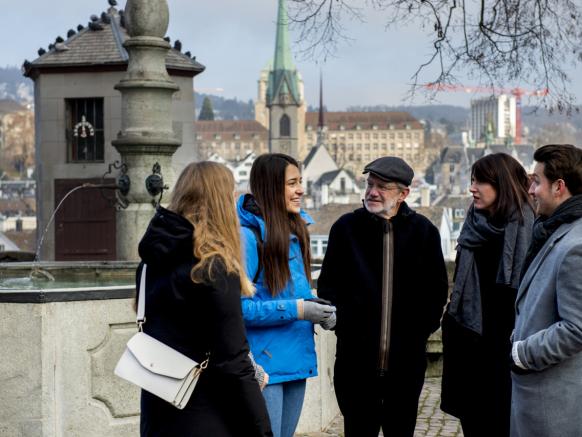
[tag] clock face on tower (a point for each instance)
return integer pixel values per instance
(285, 147)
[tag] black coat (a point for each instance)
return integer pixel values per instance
(476, 383)
(195, 319)
(351, 277)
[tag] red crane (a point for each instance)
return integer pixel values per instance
(517, 92)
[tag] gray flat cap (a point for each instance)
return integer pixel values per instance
(391, 168)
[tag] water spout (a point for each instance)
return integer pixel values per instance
(52, 217)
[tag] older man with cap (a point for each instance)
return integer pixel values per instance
(385, 273)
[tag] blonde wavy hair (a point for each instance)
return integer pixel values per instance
(204, 195)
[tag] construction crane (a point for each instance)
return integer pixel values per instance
(516, 92)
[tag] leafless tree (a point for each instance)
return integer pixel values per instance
(496, 42)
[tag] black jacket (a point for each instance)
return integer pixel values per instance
(351, 278)
(196, 319)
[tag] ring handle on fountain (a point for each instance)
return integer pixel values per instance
(155, 184)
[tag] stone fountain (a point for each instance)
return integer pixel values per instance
(61, 338)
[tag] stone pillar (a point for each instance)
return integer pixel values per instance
(146, 135)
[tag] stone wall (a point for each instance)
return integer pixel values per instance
(59, 350)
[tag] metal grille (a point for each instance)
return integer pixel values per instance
(84, 131)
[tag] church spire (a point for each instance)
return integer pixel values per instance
(283, 81)
(283, 60)
(321, 122)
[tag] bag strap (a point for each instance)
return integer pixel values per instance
(141, 297)
(259, 239)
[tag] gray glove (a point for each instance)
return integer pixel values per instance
(316, 312)
(329, 323)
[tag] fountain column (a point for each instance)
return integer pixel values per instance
(146, 135)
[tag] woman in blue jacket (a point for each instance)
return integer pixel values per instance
(279, 318)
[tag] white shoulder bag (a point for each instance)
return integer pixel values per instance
(155, 367)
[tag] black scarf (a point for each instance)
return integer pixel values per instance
(567, 212)
(465, 305)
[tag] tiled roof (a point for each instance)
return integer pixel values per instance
(25, 239)
(433, 213)
(229, 126)
(366, 120)
(92, 48)
(310, 155)
(328, 177)
(452, 154)
(456, 202)
(246, 129)
(14, 207)
(327, 215)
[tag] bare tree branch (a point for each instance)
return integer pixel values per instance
(498, 42)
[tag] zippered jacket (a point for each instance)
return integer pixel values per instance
(281, 343)
(351, 278)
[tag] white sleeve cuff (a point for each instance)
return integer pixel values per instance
(515, 356)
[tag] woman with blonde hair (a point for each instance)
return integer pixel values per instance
(194, 281)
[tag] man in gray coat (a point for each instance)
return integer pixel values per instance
(547, 340)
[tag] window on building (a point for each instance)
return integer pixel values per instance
(236, 136)
(459, 213)
(285, 126)
(84, 129)
(314, 248)
(343, 185)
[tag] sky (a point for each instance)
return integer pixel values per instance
(235, 39)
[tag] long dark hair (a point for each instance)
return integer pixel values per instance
(267, 183)
(510, 181)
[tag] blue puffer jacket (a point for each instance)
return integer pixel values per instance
(281, 343)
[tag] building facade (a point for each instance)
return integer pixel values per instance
(493, 119)
(353, 139)
(230, 139)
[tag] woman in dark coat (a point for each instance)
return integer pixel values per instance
(476, 328)
(193, 287)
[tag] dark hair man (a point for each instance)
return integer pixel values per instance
(547, 340)
(384, 271)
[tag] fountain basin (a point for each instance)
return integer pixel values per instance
(61, 340)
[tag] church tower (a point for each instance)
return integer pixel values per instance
(284, 98)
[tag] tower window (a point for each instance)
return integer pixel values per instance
(84, 130)
(285, 126)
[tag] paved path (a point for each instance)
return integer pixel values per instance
(431, 421)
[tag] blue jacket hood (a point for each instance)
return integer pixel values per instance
(250, 215)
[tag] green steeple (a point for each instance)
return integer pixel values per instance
(283, 60)
(283, 84)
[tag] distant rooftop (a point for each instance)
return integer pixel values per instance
(246, 129)
(365, 120)
(99, 46)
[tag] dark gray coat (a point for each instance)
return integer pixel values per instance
(548, 401)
